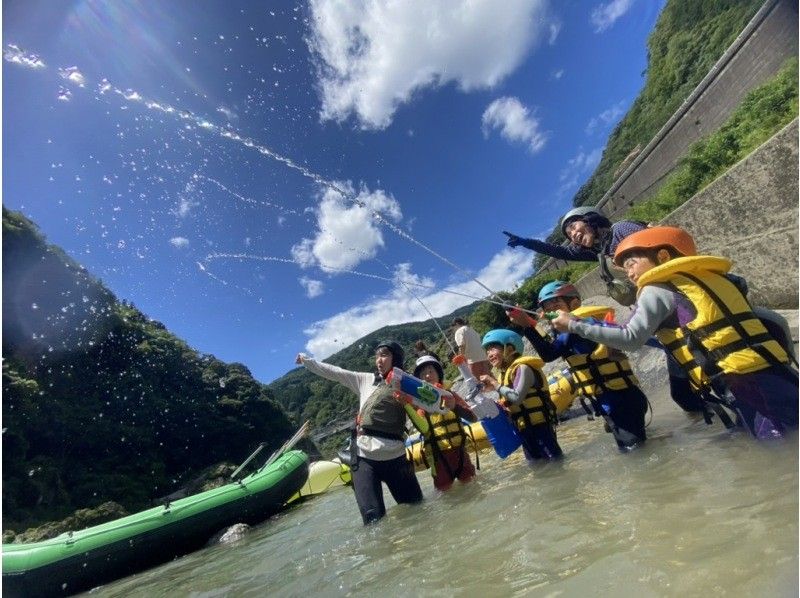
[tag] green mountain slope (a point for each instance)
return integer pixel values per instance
(102, 403)
(688, 38)
(306, 396)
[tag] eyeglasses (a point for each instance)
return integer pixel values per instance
(630, 261)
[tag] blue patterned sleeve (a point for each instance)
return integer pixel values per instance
(620, 230)
(569, 253)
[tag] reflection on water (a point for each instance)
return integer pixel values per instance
(696, 511)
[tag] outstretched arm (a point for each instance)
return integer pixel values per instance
(331, 372)
(653, 307)
(570, 253)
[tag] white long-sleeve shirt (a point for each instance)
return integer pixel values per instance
(363, 384)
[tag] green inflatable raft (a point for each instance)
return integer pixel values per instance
(84, 559)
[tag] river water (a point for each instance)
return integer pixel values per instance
(696, 511)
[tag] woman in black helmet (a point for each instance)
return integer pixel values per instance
(379, 434)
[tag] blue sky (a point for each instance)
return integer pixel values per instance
(220, 164)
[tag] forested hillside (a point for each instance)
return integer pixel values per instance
(102, 403)
(688, 38)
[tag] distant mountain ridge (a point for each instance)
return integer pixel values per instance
(307, 397)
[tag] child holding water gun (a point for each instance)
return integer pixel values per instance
(601, 374)
(444, 435)
(692, 306)
(593, 237)
(524, 391)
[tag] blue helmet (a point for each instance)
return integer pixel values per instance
(557, 288)
(503, 336)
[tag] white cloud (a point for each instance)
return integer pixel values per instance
(605, 15)
(555, 29)
(73, 75)
(373, 56)
(514, 122)
(606, 117)
(505, 270)
(314, 288)
(578, 167)
(558, 74)
(346, 233)
(64, 94)
(179, 242)
(184, 207)
(15, 55)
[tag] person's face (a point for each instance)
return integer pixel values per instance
(383, 360)
(555, 303)
(495, 355)
(429, 374)
(637, 264)
(580, 233)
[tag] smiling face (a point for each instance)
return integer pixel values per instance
(383, 361)
(494, 353)
(580, 233)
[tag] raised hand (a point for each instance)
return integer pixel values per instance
(513, 240)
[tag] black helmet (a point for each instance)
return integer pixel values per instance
(398, 355)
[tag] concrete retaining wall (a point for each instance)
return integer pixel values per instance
(750, 215)
(755, 56)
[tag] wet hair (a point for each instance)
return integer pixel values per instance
(459, 322)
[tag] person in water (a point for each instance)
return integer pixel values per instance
(524, 391)
(444, 435)
(379, 433)
(592, 238)
(601, 374)
(701, 314)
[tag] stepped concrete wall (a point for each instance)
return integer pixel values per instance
(750, 215)
(755, 56)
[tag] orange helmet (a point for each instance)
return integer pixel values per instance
(655, 237)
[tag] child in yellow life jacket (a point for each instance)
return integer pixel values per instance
(524, 391)
(444, 435)
(601, 374)
(704, 319)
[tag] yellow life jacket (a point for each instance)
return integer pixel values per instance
(675, 342)
(602, 369)
(592, 311)
(445, 430)
(725, 329)
(536, 408)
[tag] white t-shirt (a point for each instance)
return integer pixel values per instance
(469, 339)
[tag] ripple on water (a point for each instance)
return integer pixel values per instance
(695, 511)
